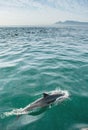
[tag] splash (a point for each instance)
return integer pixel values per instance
(16, 112)
(60, 99)
(66, 93)
(19, 112)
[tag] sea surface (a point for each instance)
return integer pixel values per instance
(34, 60)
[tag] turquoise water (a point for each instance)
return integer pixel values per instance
(34, 60)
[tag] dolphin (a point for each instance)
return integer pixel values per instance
(46, 100)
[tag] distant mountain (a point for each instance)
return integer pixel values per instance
(70, 22)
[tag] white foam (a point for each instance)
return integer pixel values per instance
(15, 112)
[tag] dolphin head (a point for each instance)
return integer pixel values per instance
(60, 95)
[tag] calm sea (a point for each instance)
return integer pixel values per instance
(34, 60)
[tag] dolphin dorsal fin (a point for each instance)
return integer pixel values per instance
(45, 95)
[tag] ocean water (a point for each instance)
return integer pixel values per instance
(34, 60)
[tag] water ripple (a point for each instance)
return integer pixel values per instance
(38, 59)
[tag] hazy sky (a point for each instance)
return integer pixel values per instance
(35, 12)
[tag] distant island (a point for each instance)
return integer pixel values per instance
(71, 22)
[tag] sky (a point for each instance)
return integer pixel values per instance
(42, 12)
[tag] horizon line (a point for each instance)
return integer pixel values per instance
(31, 25)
